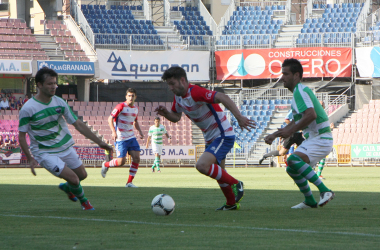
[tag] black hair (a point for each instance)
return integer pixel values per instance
(43, 73)
(294, 66)
(130, 90)
(174, 72)
(157, 118)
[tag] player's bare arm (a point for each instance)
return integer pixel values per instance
(84, 130)
(171, 116)
(136, 125)
(168, 136)
(147, 142)
(24, 146)
(243, 121)
(112, 127)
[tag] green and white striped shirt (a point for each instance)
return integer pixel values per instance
(45, 125)
(304, 98)
(157, 133)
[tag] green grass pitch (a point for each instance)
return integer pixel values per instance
(35, 214)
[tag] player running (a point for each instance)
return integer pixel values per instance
(201, 106)
(310, 117)
(50, 139)
(295, 138)
(122, 121)
(156, 132)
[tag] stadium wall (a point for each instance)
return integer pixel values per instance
(115, 92)
(338, 114)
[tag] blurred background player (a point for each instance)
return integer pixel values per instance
(156, 132)
(50, 139)
(121, 122)
(295, 138)
(201, 106)
(311, 118)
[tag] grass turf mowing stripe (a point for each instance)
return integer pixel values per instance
(189, 225)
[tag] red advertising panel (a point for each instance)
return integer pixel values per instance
(266, 63)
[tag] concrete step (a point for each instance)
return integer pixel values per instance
(292, 28)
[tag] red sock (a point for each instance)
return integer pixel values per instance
(112, 163)
(219, 174)
(132, 171)
(228, 193)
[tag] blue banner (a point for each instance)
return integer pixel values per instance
(69, 67)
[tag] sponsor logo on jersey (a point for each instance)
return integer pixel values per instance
(58, 110)
(208, 95)
(114, 112)
(56, 169)
(212, 148)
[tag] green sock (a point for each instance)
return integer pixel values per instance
(66, 187)
(297, 164)
(303, 185)
(321, 165)
(78, 192)
(157, 162)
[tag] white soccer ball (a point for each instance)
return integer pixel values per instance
(163, 204)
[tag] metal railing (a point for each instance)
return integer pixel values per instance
(288, 11)
(81, 20)
(367, 38)
(157, 42)
(207, 17)
(252, 41)
(226, 17)
(147, 10)
(93, 55)
(361, 22)
(167, 12)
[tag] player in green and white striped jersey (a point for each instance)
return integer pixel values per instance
(50, 139)
(156, 132)
(311, 118)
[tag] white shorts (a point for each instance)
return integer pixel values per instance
(157, 148)
(316, 148)
(54, 163)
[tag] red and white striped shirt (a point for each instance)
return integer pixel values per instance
(198, 104)
(123, 119)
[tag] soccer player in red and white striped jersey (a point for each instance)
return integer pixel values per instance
(122, 121)
(201, 106)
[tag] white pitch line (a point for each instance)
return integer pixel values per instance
(192, 225)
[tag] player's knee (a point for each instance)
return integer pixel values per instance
(83, 176)
(74, 181)
(201, 167)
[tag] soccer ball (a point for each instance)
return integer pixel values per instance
(163, 204)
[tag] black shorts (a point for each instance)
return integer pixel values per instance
(296, 138)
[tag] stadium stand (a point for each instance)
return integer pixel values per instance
(336, 25)
(18, 42)
(254, 24)
(192, 27)
(65, 40)
(361, 127)
(113, 25)
(261, 111)
(96, 114)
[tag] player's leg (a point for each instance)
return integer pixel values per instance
(158, 160)
(75, 165)
(133, 148)
(121, 152)
(281, 152)
(304, 187)
(311, 152)
(321, 165)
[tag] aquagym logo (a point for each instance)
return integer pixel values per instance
(144, 70)
(253, 64)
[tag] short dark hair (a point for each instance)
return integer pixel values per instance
(294, 66)
(157, 118)
(130, 90)
(174, 72)
(43, 73)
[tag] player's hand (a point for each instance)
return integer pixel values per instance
(269, 139)
(161, 110)
(32, 164)
(246, 123)
(114, 136)
(141, 136)
(170, 137)
(284, 132)
(107, 147)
